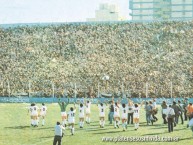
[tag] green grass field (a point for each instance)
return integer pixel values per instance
(15, 129)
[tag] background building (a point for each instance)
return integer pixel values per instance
(182, 9)
(106, 12)
(161, 9)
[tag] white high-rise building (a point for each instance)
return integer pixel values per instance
(161, 9)
(182, 9)
(106, 12)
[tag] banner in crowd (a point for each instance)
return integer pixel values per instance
(94, 100)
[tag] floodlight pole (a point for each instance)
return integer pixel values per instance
(63, 89)
(53, 90)
(98, 89)
(75, 90)
(29, 87)
(8, 85)
(146, 90)
(171, 87)
(122, 88)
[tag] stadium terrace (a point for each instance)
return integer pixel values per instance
(141, 59)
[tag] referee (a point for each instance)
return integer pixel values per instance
(58, 134)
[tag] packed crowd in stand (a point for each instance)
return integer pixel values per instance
(131, 54)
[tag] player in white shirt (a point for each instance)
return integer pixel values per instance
(102, 108)
(88, 106)
(30, 110)
(116, 115)
(124, 115)
(71, 118)
(43, 111)
(136, 114)
(35, 115)
(81, 115)
(38, 118)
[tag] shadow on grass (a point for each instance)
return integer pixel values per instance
(94, 124)
(143, 123)
(159, 127)
(154, 133)
(110, 132)
(175, 130)
(17, 127)
(48, 137)
(154, 125)
(180, 129)
(81, 129)
(188, 138)
(95, 129)
(42, 128)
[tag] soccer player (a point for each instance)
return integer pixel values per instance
(88, 106)
(38, 118)
(43, 111)
(102, 108)
(35, 115)
(136, 110)
(136, 116)
(71, 118)
(116, 115)
(63, 106)
(124, 110)
(81, 115)
(30, 110)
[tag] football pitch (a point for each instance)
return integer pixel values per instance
(15, 129)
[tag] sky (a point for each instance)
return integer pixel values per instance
(41, 11)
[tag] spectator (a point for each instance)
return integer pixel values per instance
(170, 118)
(181, 111)
(177, 112)
(190, 111)
(164, 112)
(185, 105)
(111, 112)
(30, 53)
(154, 110)
(190, 124)
(148, 110)
(152, 113)
(130, 112)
